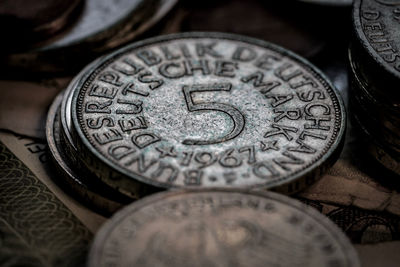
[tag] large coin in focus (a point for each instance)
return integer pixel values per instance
(220, 228)
(207, 110)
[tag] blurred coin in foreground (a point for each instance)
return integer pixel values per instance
(220, 228)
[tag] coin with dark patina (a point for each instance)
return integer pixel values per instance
(23, 23)
(220, 228)
(377, 28)
(82, 184)
(207, 110)
(101, 27)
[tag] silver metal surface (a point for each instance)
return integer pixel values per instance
(87, 188)
(207, 110)
(220, 228)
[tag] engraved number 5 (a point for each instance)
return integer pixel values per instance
(234, 114)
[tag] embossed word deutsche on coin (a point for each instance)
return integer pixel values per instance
(220, 228)
(377, 24)
(208, 110)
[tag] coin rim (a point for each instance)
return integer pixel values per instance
(363, 40)
(67, 171)
(327, 153)
(335, 232)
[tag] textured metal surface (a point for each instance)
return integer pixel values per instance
(208, 110)
(376, 25)
(220, 228)
(85, 186)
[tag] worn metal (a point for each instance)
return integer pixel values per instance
(376, 25)
(207, 110)
(89, 189)
(220, 228)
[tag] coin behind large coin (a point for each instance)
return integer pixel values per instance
(376, 24)
(207, 110)
(220, 228)
(103, 25)
(23, 23)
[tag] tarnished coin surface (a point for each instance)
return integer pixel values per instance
(207, 110)
(87, 188)
(103, 25)
(27, 22)
(377, 25)
(220, 228)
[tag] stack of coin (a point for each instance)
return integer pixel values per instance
(197, 110)
(375, 73)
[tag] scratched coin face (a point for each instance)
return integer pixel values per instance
(377, 24)
(220, 228)
(207, 110)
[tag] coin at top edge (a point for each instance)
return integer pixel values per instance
(220, 228)
(376, 25)
(100, 28)
(208, 110)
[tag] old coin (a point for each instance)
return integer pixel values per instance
(101, 27)
(27, 22)
(207, 110)
(87, 188)
(376, 25)
(220, 228)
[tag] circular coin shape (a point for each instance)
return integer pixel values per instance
(377, 27)
(207, 110)
(220, 228)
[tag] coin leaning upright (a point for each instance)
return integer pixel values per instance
(220, 228)
(207, 110)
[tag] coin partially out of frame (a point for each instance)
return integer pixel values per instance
(220, 228)
(207, 110)
(101, 27)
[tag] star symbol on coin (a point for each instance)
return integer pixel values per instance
(166, 152)
(269, 145)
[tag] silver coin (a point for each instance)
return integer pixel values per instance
(377, 28)
(87, 188)
(207, 110)
(220, 228)
(377, 114)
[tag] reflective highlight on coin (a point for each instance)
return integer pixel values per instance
(208, 110)
(220, 228)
